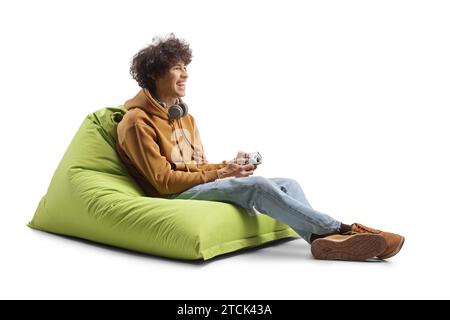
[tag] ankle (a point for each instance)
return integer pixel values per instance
(315, 236)
(344, 228)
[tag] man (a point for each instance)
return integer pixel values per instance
(160, 144)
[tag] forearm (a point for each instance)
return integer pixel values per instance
(212, 166)
(178, 181)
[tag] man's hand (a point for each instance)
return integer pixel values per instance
(236, 170)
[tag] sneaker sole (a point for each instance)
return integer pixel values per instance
(357, 247)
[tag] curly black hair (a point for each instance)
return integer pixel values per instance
(155, 60)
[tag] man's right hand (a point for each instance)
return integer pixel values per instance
(236, 170)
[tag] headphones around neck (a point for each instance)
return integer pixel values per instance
(178, 110)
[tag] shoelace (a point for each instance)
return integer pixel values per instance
(359, 228)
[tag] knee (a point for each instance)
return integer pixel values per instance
(261, 183)
(249, 189)
(292, 182)
(288, 184)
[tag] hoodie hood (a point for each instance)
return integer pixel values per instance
(163, 156)
(145, 101)
(150, 105)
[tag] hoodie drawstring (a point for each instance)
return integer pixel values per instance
(178, 144)
(184, 135)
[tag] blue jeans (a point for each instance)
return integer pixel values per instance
(280, 198)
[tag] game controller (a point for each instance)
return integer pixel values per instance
(254, 158)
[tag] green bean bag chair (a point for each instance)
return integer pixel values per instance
(92, 196)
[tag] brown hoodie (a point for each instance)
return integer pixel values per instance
(164, 156)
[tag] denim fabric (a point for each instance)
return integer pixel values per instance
(280, 198)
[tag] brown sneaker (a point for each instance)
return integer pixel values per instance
(394, 241)
(356, 247)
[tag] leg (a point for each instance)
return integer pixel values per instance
(268, 198)
(292, 188)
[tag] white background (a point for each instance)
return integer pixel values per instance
(348, 97)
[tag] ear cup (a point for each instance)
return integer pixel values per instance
(178, 110)
(185, 108)
(175, 112)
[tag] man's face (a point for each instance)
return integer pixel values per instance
(172, 83)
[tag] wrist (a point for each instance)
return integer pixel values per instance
(219, 174)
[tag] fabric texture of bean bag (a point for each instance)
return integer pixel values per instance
(92, 196)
